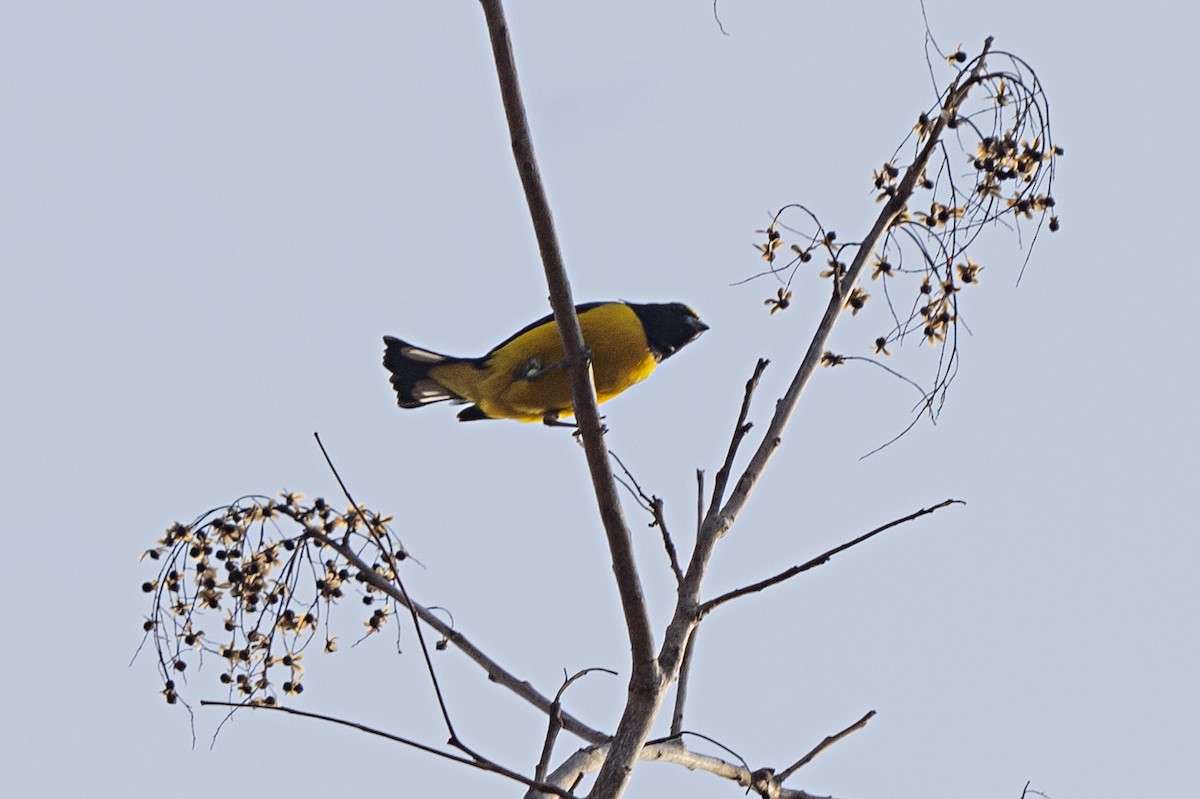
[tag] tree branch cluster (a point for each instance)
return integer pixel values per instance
(275, 590)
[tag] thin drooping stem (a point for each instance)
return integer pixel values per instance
(553, 728)
(475, 761)
(407, 602)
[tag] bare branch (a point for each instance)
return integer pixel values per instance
(681, 684)
(824, 557)
(655, 506)
(739, 432)
(583, 394)
(825, 744)
(555, 725)
(926, 406)
(475, 761)
(646, 680)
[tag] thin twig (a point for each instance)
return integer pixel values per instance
(718, 19)
(475, 761)
(1026, 791)
(821, 747)
(824, 557)
(654, 505)
(393, 567)
(681, 684)
(555, 725)
(887, 369)
(911, 424)
(739, 432)
(703, 737)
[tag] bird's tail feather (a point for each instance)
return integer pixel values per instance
(410, 367)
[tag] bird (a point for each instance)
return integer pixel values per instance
(525, 377)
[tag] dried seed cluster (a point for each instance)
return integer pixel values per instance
(1002, 130)
(235, 585)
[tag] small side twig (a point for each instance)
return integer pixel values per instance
(655, 506)
(739, 432)
(555, 725)
(887, 369)
(824, 557)
(1026, 791)
(821, 747)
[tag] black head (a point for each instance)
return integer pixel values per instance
(669, 326)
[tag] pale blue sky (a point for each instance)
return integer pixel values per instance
(211, 212)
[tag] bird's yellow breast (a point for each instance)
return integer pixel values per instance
(525, 378)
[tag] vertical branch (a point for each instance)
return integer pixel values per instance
(681, 684)
(739, 432)
(645, 678)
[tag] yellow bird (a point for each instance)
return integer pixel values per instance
(525, 377)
